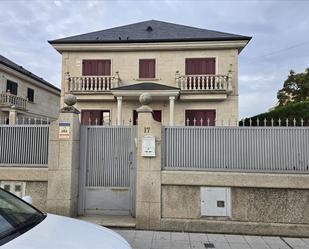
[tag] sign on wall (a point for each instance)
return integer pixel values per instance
(64, 130)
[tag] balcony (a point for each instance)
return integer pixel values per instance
(91, 84)
(9, 100)
(204, 86)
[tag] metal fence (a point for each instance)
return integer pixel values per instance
(261, 149)
(24, 145)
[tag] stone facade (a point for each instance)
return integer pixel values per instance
(168, 61)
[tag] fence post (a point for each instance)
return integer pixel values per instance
(63, 161)
(148, 182)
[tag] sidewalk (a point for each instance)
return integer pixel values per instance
(175, 240)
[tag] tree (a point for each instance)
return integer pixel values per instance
(295, 88)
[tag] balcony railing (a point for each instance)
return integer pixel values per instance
(11, 100)
(91, 83)
(204, 82)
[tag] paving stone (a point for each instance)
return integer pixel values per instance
(180, 236)
(301, 247)
(235, 238)
(221, 245)
(180, 244)
(239, 245)
(144, 234)
(295, 242)
(161, 244)
(216, 237)
(259, 245)
(140, 239)
(162, 236)
(275, 243)
(197, 245)
(201, 237)
(306, 241)
(254, 239)
(141, 243)
(128, 235)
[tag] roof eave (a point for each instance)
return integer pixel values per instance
(63, 41)
(183, 45)
(32, 77)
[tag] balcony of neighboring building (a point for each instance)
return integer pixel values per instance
(9, 100)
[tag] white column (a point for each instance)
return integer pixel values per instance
(12, 117)
(2, 83)
(119, 110)
(172, 107)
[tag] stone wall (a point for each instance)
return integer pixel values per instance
(248, 204)
(38, 193)
(35, 180)
(267, 204)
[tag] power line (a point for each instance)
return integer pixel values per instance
(281, 50)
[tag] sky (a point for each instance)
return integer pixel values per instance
(280, 31)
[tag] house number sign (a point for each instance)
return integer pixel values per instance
(148, 146)
(64, 130)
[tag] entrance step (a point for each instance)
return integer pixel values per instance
(110, 220)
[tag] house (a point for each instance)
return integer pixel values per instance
(25, 97)
(191, 73)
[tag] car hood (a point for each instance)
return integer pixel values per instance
(58, 232)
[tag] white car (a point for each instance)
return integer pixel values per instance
(24, 227)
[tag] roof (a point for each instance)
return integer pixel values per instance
(146, 86)
(150, 31)
(5, 61)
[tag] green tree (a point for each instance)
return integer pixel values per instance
(295, 88)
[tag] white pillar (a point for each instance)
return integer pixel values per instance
(119, 110)
(172, 107)
(12, 117)
(2, 83)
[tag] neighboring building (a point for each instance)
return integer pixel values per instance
(191, 73)
(25, 96)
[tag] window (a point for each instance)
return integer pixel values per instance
(11, 87)
(200, 117)
(30, 94)
(96, 67)
(147, 68)
(200, 66)
(157, 115)
(95, 117)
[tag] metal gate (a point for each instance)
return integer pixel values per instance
(107, 170)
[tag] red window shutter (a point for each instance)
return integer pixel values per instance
(96, 67)
(201, 117)
(157, 115)
(91, 117)
(147, 68)
(85, 117)
(200, 66)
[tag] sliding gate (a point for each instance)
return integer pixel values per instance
(107, 170)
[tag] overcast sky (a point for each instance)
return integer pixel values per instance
(280, 31)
